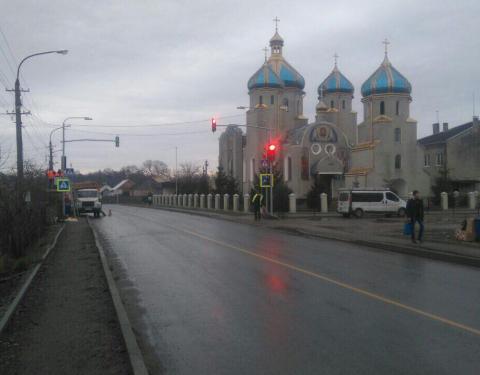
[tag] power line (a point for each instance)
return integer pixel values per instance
(147, 125)
(142, 135)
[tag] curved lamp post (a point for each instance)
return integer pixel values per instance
(64, 160)
(18, 112)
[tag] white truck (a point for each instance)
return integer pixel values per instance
(88, 200)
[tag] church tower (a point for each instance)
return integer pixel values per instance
(387, 130)
(336, 94)
(276, 106)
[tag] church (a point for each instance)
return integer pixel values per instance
(334, 150)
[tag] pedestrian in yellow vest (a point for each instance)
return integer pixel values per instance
(257, 204)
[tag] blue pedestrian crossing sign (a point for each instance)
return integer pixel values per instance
(266, 180)
(63, 184)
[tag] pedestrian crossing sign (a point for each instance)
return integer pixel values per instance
(266, 180)
(63, 184)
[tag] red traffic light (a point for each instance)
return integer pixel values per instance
(271, 150)
(214, 125)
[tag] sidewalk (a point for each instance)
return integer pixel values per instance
(66, 324)
(373, 231)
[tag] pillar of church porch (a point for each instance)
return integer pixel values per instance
(323, 202)
(226, 201)
(195, 200)
(444, 200)
(292, 203)
(235, 202)
(209, 201)
(246, 203)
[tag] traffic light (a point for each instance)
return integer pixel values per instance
(214, 125)
(271, 152)
(117, 141)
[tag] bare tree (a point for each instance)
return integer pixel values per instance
(155, 168)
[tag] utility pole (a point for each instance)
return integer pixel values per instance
(176, 171)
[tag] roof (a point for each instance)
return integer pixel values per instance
(335, 82)
(386, 79)
(120, 184)
(444, 136)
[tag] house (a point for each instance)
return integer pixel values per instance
(455, 151)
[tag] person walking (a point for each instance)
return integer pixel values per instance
(415, 214)
(257, 204)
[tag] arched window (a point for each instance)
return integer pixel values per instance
(382, 107)
(332, 104)
(288, 169)
(398, 162)
(272, 100)
(260, 100)
(343, 104)
(397, 108)
(398, 135)
(244, 171)
(285, 103)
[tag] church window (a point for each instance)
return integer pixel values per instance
(397, 108)
(398, 162)
(398, 135)
(343, 104)
(272, 100)
(288, 169)
(260, 100)
(252, 169)
(244, 171)
(332, 104)
(382, 107)
(285, 103)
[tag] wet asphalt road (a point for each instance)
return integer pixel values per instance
(218, 297)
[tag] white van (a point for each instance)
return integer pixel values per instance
(359, 201)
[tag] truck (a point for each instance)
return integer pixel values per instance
(87, 198)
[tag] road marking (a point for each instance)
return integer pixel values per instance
(327, 279)
(338, 283)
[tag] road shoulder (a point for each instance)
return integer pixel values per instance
(66, 323)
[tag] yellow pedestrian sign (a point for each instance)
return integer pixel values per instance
(63, 184)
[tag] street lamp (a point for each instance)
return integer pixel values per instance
(18, 113)
(64, 159)
(50, 161)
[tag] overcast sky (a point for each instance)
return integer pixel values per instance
(142, 62)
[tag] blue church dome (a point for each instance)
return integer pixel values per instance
(290, 76)
(276, 71)
(265, 77)
(335, 82)
(386, 79)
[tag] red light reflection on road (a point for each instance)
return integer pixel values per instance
(276, 284)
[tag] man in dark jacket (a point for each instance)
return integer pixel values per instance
(415, 214)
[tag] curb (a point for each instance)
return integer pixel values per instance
(134, 353)
(13, 306)
(424, 252)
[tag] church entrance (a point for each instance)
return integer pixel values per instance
(324, 183)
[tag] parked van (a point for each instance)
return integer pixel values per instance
(360, 201)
